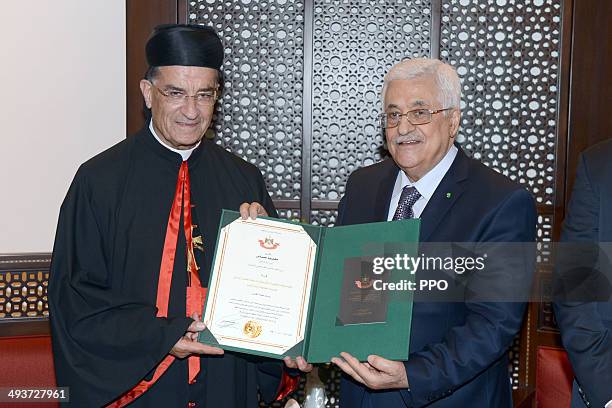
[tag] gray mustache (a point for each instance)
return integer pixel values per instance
(408, 138)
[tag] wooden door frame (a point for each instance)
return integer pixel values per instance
(141, 17)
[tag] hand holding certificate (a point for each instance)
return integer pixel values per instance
(279, 288)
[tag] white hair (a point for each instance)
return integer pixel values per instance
(445, 76)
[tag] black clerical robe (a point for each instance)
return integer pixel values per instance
(104, 275)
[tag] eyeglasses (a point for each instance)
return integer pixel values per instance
(177, 97)
(415, 117)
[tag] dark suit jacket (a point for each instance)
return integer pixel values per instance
(586, 327)
(458, 351)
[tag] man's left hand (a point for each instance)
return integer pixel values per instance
(252, 210)
(299, 362)
(377, 374)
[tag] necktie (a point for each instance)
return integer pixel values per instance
(409, 196)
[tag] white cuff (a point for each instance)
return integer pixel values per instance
(609, 404)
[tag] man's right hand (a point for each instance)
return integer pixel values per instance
(189, 344)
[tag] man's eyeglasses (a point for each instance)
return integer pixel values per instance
(415, 117)
(177, 97)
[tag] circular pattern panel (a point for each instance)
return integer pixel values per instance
(259, 117)
(507, 54)
(354, 44)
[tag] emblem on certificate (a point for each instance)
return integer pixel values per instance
(364, 282)
(360, 302)
(252, 329)
(268, 243)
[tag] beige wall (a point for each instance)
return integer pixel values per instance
(62, 100)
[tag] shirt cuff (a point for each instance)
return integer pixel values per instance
(609, 404)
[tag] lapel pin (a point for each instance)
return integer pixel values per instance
(448, 195)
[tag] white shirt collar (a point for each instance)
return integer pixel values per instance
(427, 184)
(184, 153)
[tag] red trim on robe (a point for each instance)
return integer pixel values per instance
(287, 385)
(196, 294)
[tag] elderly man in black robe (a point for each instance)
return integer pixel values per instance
(134, 247)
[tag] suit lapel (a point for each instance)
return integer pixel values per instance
(446, 195)
(385, 190)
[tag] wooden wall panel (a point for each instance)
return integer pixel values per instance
(590, 120)
(141, 17)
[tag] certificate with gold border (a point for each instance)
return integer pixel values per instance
(260, 293)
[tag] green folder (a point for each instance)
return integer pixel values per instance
(346, 312)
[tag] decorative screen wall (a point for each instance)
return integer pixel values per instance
(354, 44)
(303, 80)
(260, 115)
(23, 287)
(507, 55)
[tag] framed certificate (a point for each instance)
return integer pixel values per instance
(279, 288)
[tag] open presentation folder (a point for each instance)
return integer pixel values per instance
(279, 288)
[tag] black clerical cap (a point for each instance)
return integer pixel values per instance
(184, 44)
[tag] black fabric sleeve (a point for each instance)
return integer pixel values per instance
(103, 343)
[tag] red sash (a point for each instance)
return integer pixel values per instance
(196, 294)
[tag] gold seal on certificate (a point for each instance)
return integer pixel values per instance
(252, 329)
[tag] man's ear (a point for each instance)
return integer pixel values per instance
(146, 88)
(455, 121)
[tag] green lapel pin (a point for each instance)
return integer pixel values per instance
(448, 195)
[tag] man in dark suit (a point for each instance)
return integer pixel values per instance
(583, 309)
(458, 350)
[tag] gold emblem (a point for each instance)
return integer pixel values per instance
(252, 329)
(198, 243)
